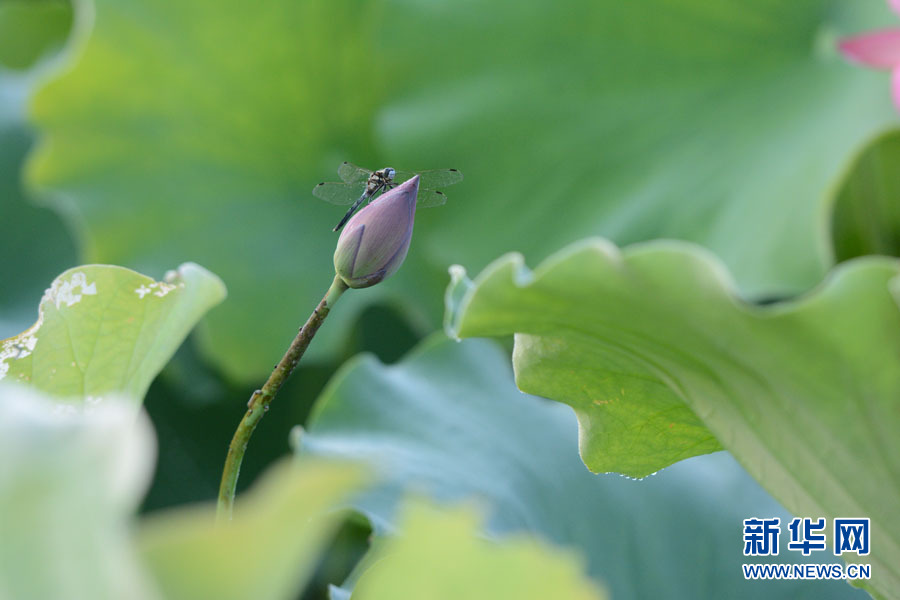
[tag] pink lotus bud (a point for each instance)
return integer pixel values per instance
(374, 242)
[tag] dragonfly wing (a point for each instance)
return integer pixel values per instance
(342, 194)
(350, 173)
(429, 198)
(431, 180)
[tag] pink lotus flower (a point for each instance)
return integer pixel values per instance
(879, 50)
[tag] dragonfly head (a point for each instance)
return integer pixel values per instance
(389, 173)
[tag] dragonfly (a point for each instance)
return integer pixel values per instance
(358, 185)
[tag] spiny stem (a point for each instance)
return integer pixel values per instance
(261, 398)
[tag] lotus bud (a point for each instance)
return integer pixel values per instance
(374, 242)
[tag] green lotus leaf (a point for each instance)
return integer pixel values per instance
(866, 217)
(198, 130)
(270, 548)
(441, 556)
(104, 329)
(803, 393)
(447, 421)
(73, 479)
(69, 485)
(724, 123)
(30, 29)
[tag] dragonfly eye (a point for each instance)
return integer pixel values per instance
(389, 173)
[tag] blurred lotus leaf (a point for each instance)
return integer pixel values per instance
(268, 552)
(866, 217)
(440, 556)
(69, 489)
(24, 227)
(70, 482)
(195, 131)
(31, 29)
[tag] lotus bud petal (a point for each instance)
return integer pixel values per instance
(374, 242)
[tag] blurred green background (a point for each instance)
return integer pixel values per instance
(149, 133)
